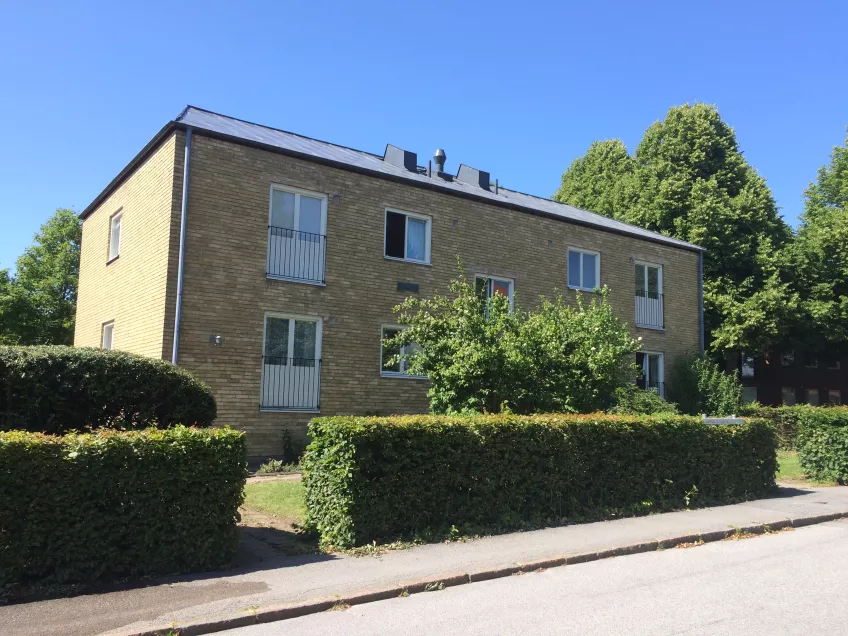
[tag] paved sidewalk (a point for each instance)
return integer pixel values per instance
(262, 590)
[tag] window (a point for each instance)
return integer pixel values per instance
(297, 227)
(394, 360)
(584, 269)
(291, 363)
(106, 334)
(813, 397)
(407, 236)
(653, 372)
(749, 394)
(834, 396)
(788, 395)
(833, 363)
(115, 235)
(487, 286)
(649, 300)
(811, 361)
(747, 366)
(787, 358)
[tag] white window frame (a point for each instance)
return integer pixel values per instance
(648, 264)
(401, 373)
(660, 366)
(428, 233)
(582, 251)
(109, 326)
(319, 331)
(500, 279)
(298, 193)
(117, 216)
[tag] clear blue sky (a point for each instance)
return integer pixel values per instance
(518, 89)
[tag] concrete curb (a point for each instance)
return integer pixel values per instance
(285, 611)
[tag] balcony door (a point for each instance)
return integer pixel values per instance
(653, 372)
(297, 235)
(649, 297)
(291, 363)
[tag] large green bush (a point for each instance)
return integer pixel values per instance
(699, 386)
(790, 420)
(370, 478)
(480, 355)
(84, 508)
(823, 451)
(54, 389)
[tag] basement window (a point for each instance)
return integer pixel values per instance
(407, 236)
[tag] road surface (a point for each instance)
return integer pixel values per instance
(784, 583)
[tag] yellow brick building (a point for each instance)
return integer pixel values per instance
(295, 252)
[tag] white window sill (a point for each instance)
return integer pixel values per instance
(402, 376)
(315, 283)
(407, 260)
(652, 327)
(265, 409)
(583, 289)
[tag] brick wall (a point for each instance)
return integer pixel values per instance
(226, 291)
(131, 290)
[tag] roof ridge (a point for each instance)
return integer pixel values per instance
(287, 132)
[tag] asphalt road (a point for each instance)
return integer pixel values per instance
(784, 583)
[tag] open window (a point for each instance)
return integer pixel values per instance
(107, 332)
(407, 236)
(115, 223)
(487, 286)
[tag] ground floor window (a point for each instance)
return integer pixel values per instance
(834, 396)
(291, 363)
(749, 394)
(651, 364)
(813, 397)
(394, 360)
(788, 395)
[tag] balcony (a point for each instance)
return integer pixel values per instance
(290, 384)
(649, 309)
(296, 256)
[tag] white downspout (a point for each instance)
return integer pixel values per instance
(180, 268)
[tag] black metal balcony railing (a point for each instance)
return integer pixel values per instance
(296, 255)
(649, 309)
(290, 384)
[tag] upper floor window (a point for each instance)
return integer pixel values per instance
(106, 333)
(649, 300)
(748, 366)
(811, 361)
(115, 235)
(584, 269)
(407, 236)
(787, 358)
(488, 286)
(394, 360)
(833, 362)
(297, 227)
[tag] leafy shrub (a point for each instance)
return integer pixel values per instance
(698, 385)
(631, 400)
(789, 420)
(276, 466)
(375, 479)
(823, 451)
(54, 389)
(84, 508)
(481, 356)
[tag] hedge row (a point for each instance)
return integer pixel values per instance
(84, 508)
(59, 389)
(789, 420)
(370, 478)
(823, 449)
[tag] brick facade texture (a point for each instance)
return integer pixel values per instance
(226, 292)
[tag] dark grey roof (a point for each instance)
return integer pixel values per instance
(306, 147)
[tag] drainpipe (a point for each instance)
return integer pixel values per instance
(180, 268)
(701, 298)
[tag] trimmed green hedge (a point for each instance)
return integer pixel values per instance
(54, 389)
(789, 420)
(84, 508)
(378, 479)
(823, 449)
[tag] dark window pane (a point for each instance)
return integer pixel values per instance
(574, 278)
(480, 286)
(276, 340)
(390, 350)
(395, 234)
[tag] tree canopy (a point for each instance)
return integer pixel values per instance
(688, 179)
(38, 303)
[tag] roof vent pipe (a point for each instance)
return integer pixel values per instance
(439, 159)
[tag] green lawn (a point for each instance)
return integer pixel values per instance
(790, 470)
(279, 498)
